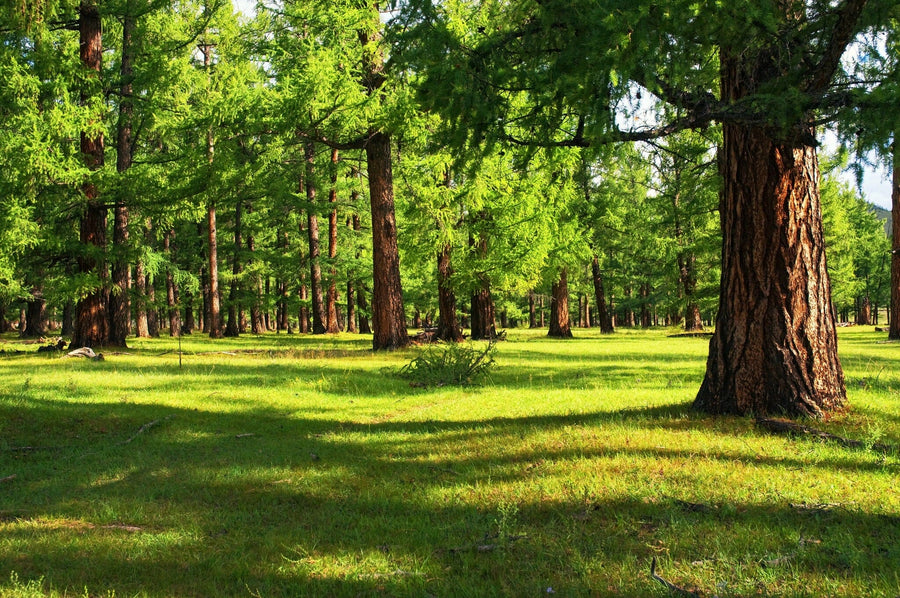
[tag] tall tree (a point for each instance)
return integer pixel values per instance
(91, 320)
(765, 71)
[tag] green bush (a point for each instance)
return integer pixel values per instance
(449, 364)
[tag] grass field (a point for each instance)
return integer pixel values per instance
(301, 466)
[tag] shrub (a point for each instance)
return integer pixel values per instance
(449, 364)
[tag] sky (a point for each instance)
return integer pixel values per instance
(876, 185)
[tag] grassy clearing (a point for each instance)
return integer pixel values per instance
(294, 466)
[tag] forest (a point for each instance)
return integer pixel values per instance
(448, 298)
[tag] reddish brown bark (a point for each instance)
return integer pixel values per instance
(482, 324)
(91, 320)
(119, 304)
(559, 308)
(388, 317)
(171, 288)
(606, 326)
(774, 349)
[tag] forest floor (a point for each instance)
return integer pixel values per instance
(300, 466)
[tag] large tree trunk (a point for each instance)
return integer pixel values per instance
(36, 320)
(532, 313)
(92, 321)
(894, 319)
(606, 326)
(319, 317)
(119, 305)
(448, 324)
(774, 349)
(482, 324)
(388, 317)
(332, 325)
(559, 308)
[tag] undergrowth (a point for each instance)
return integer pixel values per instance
(454, 364)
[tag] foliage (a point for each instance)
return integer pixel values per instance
(452, 364)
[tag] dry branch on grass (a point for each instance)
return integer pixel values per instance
(677, 590)
(146, 427)
(784, 426)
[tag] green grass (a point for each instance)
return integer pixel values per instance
(298, 466)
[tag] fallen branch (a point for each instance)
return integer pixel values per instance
(146, 427)
(669, 585)
(783, 426)
(8, 478)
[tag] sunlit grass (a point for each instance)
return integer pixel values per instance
(298, 466)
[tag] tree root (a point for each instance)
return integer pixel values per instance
(783, 426)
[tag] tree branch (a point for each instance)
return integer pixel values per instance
(844, 30)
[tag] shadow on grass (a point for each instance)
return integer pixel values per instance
(265, 503)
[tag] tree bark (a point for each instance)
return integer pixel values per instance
(646, 315)
(482, 324)
(119, 305)
(332, 325)
(448, 323)
(532, 313)
(319, 317)
(232, 327)
(559, 308)
(388, 316)
(606, 326)
(36, 320)
(92, 318)
(894, 319)
(774, 349)
(171, 288)
(152, 312)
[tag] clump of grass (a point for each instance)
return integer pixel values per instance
(449, 364)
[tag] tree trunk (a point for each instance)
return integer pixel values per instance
(774, 349)
(152, 312)
(532, 313)
(171, 289)
(119, 306)
(388, 316)
(646, 315)
(36, 320)
(541, 318)
(894, 318)
(483, 327)
(188, 322)
(351, 308)
(319, 317)
(559, 308)
(332, 326)
(68, 319)
(257, 324)
(92, 318)
(448, 323)
(629, 313)
(606, 326)
(233, 327)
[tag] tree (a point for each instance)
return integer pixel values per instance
(763, 70)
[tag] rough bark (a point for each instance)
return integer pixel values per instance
(92, 319)
(482, 316)
(602, 312)
(448, 328)
(774, 349)
(119, 305)
(215, 310)
(894, 319)
(36, 320)
(559, 308)
(140, 283)
(388, 316)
